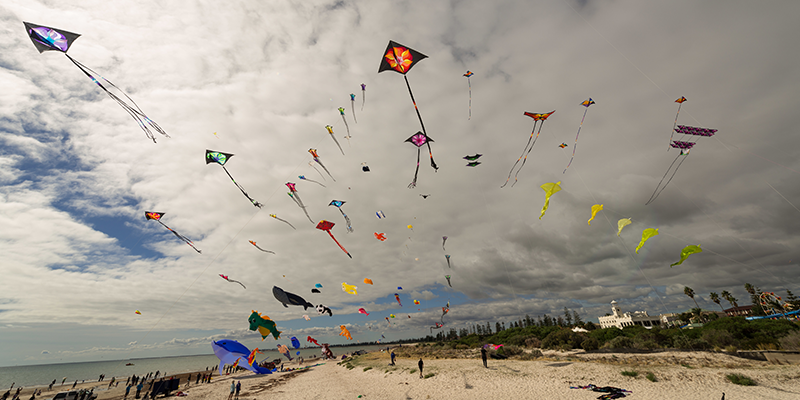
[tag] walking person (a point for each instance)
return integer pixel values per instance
(233, 389)
(420, 364)
(127, 391)
(483, 357)
(392, 355)
(238, 388)
(139, 389)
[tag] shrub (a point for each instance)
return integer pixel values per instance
(429, 375)
(413, 371)
(511, 350)
(791, 341)
(461, 347)
(645, 344)
(534, 354)
(563, 339)
(533, 341)
(632, 374)
(718, 338)
(619, 342)
(367, 369)
(731, 349)
(590, 344)
(740, 379)
(651, 377)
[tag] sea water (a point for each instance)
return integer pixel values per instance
(42, 375)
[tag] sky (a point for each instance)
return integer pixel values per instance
(261, 80)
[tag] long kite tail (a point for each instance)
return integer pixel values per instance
(231, 280)
(470, 97)
(285, 221)
(413, 183)
(311, 163)
(422, 124)
(340, 245)
(346, 126)
(657, 192)
(252, 200)
(674, 125)
(347, 221)
(520, 156)
(181, 237)
(363, 99)
(524, 160)
(299, 202)
(326, 170)
(265, 251)
(576, 140)
(353, 108)
(337, 144)
(311, 180)
(133, 109)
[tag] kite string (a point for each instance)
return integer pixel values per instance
(653, 196)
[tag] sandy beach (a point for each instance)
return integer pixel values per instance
(677, 375)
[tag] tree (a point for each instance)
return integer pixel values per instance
(727, 296)
(567, 316)
(792, 300)
(689, 292)
(576, 318)
(488, 329)
(497, 327)
(715, 298)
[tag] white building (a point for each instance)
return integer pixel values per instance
(621, 320)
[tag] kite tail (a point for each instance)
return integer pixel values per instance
(265, 251)
(416, 108)
(430, 153)
(315, 168)
(413, 183)
(520, 157)
(326, 170)
(346, 126)
(181, 237)
(340, 245)
(524, 160)
(347, 221)
(302, 206)
(655, 195)
(353, 108)
(337, 144)
(470, 98)
(673, 126)
(252, 200)
(133, 110)
(576, 140)
(287, 222)
(448, 283)
(311, 180)
(363, 99)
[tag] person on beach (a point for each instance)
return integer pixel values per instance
(233, 389)
(139, 389)
(197, 380)
(392, 356)
(51, 385)
(238, 388)
(483, 357)
(127, 391)
(73, 385)
(113, 378)
(420, 364)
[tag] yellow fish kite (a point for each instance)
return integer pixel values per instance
(646, 234)
(595, 209)
(549, 190)
(622, 223)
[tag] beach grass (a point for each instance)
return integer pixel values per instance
(632, 374)
(739, 379)
(651, 377)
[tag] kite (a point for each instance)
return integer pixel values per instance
(595, 209)
(138, 312)
(265, 251)
(445, 310)
(338, 204)
(438, 325)
(444, 239)
(468, 75)
(473, 164)
(622, 223)
(312, 340)
(318, 285)
(297, 200)
(295, 342)
(157, 217)
(341, 111)
(447, 256)
(685, 147)
(672, 134)
(399, 288)
(283, 220)
(327, 226)
(448, 280)
(306, 317)
(387, 320)
(397, 297)
(401, 59)
(231, 352)
(322, 309)
(345, 332)
(392, 316)
(315, 291)
(221, 159)
(549, 190)
(290, 298)
(51, 39)
(646, 234)
(316, 158)
(562, 145)
(363, 95)
(586, 103)
(380, 236)
(303, 177)
(264, 325)
(363, 311)
(380, 214)
(540, 118)
(285, 351)
(353, 106)
(416, 302)
(330, 130)
(473, 158)
(419, 139)
(686, 252)
(368, 281)
(352, 289)
(364, 167)
(231, 280)
(424, 196)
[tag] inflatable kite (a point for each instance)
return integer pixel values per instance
(312, 340)
(327, 226)
(621, 224)
(306, 317)
(585, 103)
(295, 342)
(285, 351)
(362, 311)
(231, 280)
(368, 281)
(290, 298)
(157, 217)
(380, 236)
(549, 190)
(315, 290)
(528, 146)
(686, 252)
(138, 312)
(345, 332)
(231, 352)
(646, 234)
(263, 325)
(595, 209)
(222, 158)
(352, 289)
(51, 39)
(322, 309)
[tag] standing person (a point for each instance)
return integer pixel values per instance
(233, 389)
(113, 378)
(127, 391)
(392, 356)
(139, 389)
(197, 380)
(238, 388)
(51, 385)
(76, 382)
(483, 357)
(420, 364)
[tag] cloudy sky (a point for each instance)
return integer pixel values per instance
(262, 79)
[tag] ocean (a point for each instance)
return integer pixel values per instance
(42, 375)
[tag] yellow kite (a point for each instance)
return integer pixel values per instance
(352, 289)
(622, 223)
(686, 252)
(595, 209)
(646, 234)
(549, 189)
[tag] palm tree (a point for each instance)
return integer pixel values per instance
(727, 296)
(715, 298)
(689, 292)
(750, 289)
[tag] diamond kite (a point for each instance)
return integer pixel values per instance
(222, 158)
(327, 226)
(420, 139)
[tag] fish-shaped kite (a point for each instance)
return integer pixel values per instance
(290, 298)
(352, 289)
(368, 281)
(397, 297)
(549, 190)
(595, 209)
(231, 280)
(686, 252)
(327, 226)
(157, 217)
(264, 325)
(646, 234)
(265, 251)
(362, 311)
(621, 224)
(222, 158)
(51, 39)
(345, 332)
(283, 220)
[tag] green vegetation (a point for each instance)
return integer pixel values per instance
(413, 371)
(740, 379)
(632, 374)
(367, 369)
(429, 375)
(651, 377)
